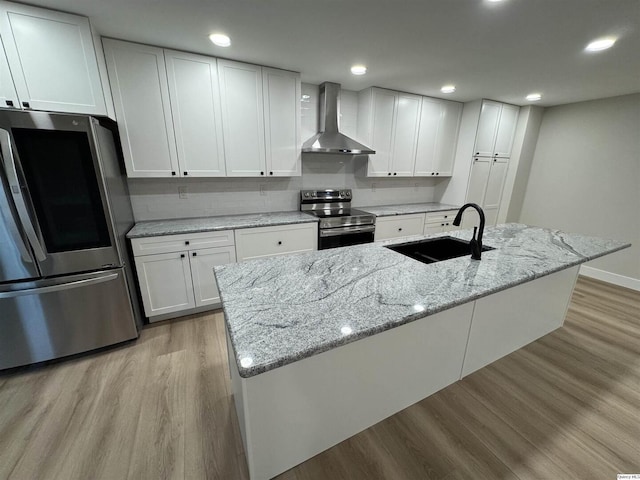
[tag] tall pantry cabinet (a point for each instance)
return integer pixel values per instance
(491, 153)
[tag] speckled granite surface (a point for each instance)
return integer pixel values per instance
(388, 210)
(284, 309)
(210, 224)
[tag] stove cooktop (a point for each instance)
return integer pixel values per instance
(343, 212)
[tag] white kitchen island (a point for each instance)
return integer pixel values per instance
(326, 344)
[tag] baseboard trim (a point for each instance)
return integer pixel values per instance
(620, 280)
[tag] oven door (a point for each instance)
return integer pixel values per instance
(345, 236)
(55, 178)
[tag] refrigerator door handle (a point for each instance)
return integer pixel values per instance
(57, 288)
(18, 197)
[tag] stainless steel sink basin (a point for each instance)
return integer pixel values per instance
(434, 250)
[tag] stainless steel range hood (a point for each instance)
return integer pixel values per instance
(330, 140)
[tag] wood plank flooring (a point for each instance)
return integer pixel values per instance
(566, 406)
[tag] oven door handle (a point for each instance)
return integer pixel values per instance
(18, 197)
(335, 232)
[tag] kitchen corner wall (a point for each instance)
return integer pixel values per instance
(585, 177)
(155, 199)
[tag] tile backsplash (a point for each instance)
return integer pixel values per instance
(154, 199)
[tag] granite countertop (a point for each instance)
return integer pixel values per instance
(281, 310)
(388, 210)
(210, 224)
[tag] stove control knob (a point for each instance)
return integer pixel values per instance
(348, 194)
(306, 194)
(341, 194)
(313, 194)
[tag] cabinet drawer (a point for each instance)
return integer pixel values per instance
(399, 226)
(440, 217)
(177, 243)
(279, 240)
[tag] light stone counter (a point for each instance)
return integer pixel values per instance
(285, 309)
(210, 224)
(389, 210)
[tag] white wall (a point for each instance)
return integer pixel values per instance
(585, 176)
(154, 199)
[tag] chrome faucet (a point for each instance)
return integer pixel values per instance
(474, 243)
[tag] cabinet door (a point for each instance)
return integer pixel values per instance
(428, 137)
(52, 60)
(8, 95)
(478, 178)
(141, 98)
(506, 131)
(495, 186)
(450, 116)
(205, 288)
(430, 228)
(487, 126)
(405, 137)
(242, 118)
(281, 90)
(382, 113)
(195, 108)
(165, 283)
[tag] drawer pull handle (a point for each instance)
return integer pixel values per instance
(182, 255)
(186, 242)
(194, 254)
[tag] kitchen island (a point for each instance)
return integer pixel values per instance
(326, 344)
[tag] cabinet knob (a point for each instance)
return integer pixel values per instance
(26, 105)
(279, 242)
(194, 254)
(270, 173)
(389, 173)
(394, 173)
(442, 224)
(477, 153)
(400, 229)
(495, 154)
(182, 255)
(437, 173)
(433, 173)
(173, 173)
(186, 242)
(186, 173)
(9, 103)
(447, 224)
(261, 173)
(495, 159)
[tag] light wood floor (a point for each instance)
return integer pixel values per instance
(564, 407)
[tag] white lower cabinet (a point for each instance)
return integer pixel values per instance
(399, 226)
(263, 242)
(165, 283)
(175, 272)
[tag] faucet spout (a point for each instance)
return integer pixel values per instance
(476, 242)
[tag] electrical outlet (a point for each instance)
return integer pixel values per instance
(263, 190)
(182, 192)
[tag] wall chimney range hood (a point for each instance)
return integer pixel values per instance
(330, 140)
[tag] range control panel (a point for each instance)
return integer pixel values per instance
(327, 195)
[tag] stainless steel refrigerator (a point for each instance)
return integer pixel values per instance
(65, 279)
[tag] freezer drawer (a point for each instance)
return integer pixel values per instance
(54, 318)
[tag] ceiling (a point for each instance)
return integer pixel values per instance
(501, 51)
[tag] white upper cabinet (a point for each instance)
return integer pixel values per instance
(8, 95)
(496, 129)
(242, 118)
(195, 108)
(283, 146)
(141, 99)
(506, 131)
(52, 60)
(388, 122)
(406, 125)
(437, 137)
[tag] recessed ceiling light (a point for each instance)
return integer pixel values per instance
(448, 89)
(600, 44)
(358, 69)
(534, 97)
(220, 39)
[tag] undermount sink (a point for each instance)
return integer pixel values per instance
(434, 250)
